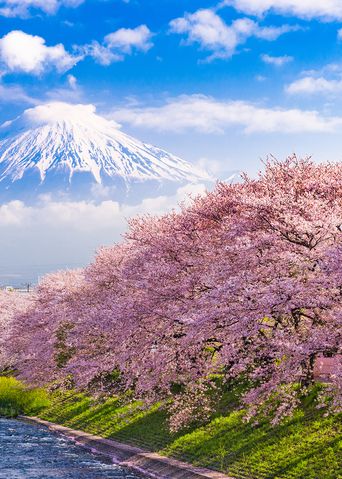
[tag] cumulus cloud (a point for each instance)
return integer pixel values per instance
(22, 8)
(14, 213)
(118, 44)
(208, 115)
(101, 53)
(127, 39)
(87, 215)
(53, 235)
(208, 29)
(311, 85)
(326, 80)
(25, 53)
(307, 9)
(276, 61)
(21, 52)
(51, 112)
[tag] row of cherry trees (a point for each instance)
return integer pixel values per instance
(244, 284)
(12, 305)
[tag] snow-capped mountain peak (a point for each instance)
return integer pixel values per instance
(60, 138)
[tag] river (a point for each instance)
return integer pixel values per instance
(33, 452)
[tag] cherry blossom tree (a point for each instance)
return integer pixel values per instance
(242, 285)
(12, 304)
(40, 334)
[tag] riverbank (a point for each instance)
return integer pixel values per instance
(148, 463)
(307, 446)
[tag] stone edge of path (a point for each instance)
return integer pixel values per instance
(139, 460)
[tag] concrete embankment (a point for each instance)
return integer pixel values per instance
(147, 463)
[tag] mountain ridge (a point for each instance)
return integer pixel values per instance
(62, 140)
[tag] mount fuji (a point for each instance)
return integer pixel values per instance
(69, 151)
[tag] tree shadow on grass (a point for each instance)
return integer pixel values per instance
(94, 416)
(149, 431)
(227, 443)
(239, 446)
(64, 411)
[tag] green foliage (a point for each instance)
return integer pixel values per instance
(307, 446)
(16, 398)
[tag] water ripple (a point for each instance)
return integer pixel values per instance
(33, 452)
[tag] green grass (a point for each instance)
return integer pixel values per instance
(307, 446)
(16, 398)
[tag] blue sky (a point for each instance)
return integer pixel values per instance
(267, 54)
(221, 84)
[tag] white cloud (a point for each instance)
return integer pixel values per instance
(329, 69)
(208, 115)
(326, 80)
(276, 61)
(89, 216)
(72, 82)
(208, 29)
(15, 94)
(14, 213)
(116, 45)
(101, 53)
(71, 92)
(272, 33)
(21, 52)
(306, 9)
(126, 39)
(53, 235)
(25, 53)
(312, 85)
(22, 8)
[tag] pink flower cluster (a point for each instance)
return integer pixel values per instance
(12, 305)
(245, 283)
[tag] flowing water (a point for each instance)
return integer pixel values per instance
(33, 452)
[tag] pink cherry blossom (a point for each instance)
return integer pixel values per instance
(246, 282)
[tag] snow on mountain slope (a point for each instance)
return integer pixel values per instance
(68, 139)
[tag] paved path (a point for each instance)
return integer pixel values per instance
(148, 463)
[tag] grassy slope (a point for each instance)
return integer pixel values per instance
(308, 446)
(16, 399)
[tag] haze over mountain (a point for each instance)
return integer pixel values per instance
(69, 150)
(69, 179)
